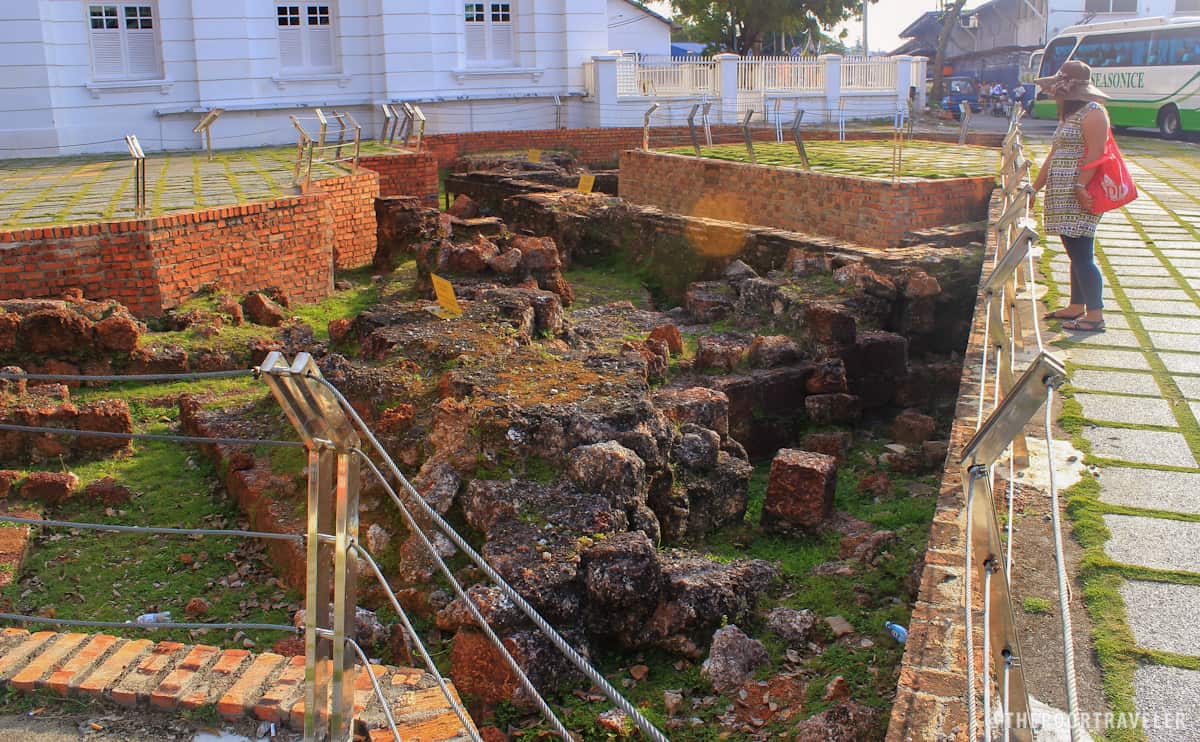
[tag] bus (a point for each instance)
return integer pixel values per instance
(1150, 67)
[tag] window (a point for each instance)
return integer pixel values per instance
(1110, 6)
(124, 42)
(305, 37)
(1117, 50)
(1176, 46)
(1056, 54)
(489, 30)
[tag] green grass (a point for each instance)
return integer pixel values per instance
(868, 159)
(1037, 606)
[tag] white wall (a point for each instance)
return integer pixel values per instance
(632, 29)
(225, 54)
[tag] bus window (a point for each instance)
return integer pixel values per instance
(1056, 54)
(1115, 50)
(1177, 46)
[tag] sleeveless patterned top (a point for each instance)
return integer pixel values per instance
(1061, 213)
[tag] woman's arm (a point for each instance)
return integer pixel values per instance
(1043, 172)
(1095, 136)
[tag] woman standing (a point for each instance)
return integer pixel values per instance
(1067, 210)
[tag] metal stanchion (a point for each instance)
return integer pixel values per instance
(800, 140)
(706, 107)
(646, 126)
(324, 126)
(964, 112)
(332, 562)
(139, 174)
(558, 113)
(691, 119)
(205, 128)
(749, 137)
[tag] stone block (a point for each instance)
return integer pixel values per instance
(800, 490)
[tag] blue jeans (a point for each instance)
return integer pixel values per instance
(1087, 283)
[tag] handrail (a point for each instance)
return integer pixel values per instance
(999, 432)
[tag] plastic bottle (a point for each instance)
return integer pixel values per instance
(898, 632)
(153, 618)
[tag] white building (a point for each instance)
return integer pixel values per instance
(632, 27)
(1064, 13)
(77, 75)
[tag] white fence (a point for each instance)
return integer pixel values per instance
(781, 74)
(622, 88)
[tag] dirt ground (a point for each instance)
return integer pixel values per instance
(107, 725)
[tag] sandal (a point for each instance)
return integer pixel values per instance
(1058, 314)
(1084, 325)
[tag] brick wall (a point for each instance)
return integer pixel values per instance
(154, 264)
(284, 243)
(930, 701)
(876, 213)
(348, 204)
(406, 174)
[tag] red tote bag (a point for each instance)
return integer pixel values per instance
(1112, 186)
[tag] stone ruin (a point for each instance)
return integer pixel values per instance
(584, 452)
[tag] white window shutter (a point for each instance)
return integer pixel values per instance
(502, 43)
(143, 53)
(106, 54)
(291, 47)
(476, 42)
(320, 47)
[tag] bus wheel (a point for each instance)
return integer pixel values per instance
(1168, 122)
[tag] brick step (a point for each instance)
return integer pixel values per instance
(168, 676)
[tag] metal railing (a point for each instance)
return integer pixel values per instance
(313, 149)
(871, 73)
(781, 74)
(333, 434)
(666, 77)
(988, 550)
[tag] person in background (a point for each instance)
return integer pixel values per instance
(1018, 95)
(1067, 210)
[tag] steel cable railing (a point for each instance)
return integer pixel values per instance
(999, 433)
(530, 612)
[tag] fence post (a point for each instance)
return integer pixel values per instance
(727, 86)
(604, 67)
(833, 84)
(333, 487)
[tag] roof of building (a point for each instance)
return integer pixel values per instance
(651, 13)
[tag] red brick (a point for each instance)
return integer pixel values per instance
(283, 693)
(173, 687)
(14, 658)
(41, 664)
(111, 670)
(239, 700)
(66, 678)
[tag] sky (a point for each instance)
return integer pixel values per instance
(885, 20)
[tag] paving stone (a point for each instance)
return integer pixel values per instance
(1134, 260)
(1142, 270)
(1157, 306)
(1165, 294)
(1111, 336)
(1118, 359)
(1131, 410)
(1181, 363)
(1155, 543)
(1169, 699)
(1121, 382)
(1175, 341)
(1162, 615)
(1189, 386)
(1150, 489)
(1189, 325)
(1140, 446)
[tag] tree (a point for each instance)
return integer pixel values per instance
(740, 25)
(949, 23)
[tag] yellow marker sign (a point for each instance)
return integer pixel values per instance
(448, 307)
(534, 155)
(587, 182)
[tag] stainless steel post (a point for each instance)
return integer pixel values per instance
(324, 126)
(704, 119)
(964, 110)
(558, 113)
(799, 139)
(646, 126)
(749, 137)
(345, 572)
(317, 649)
(691, 119)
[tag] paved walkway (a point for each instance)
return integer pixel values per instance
(1138, 388)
